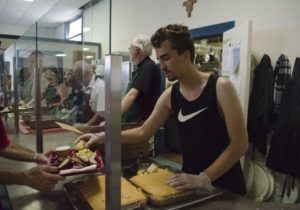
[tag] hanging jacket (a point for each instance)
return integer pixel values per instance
(261, 105)
(282, 74)
(284, 155)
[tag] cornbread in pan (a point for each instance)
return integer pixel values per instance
(93, 190)
(155, 183)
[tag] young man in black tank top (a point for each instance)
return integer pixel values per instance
(209, 117)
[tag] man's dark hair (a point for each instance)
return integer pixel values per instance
(178, 35)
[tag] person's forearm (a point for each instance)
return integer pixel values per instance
(133, 136)
(130, 136)
(17, 152)
(126, 103)
(230, 156)
(8, 177)
(128, 100)
(95, 120)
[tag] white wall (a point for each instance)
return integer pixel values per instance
(97, 18)
(60, 32)
(46, 32)
(12, 29)
(276, 23)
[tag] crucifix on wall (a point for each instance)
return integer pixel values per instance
(189, 6)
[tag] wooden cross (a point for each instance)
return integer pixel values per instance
(189, 6)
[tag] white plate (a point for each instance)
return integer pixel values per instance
(272, 185)
(270, 178)
(248, 173)
(260, 185)
(294, 194)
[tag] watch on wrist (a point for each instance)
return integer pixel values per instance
(35, 156)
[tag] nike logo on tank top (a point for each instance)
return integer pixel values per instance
(183, 118)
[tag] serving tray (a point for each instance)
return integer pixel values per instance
(172, 202)
(197, 197)
(79, 203)
(93, 168)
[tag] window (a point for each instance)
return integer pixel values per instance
(74, 29)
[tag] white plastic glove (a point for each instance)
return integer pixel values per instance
(190, 181)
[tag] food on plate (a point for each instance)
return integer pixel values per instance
(153, 181)
(79, 145)
(66, 163)
(74, 159)
(93, 190)
(87, 156)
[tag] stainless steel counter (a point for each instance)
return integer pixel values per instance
(230, 201)
(24, 198)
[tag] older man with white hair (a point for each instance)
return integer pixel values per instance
(94, 108)
(144, 88)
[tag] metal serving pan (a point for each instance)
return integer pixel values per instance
(175, 201)
(197, 197)
(78, 201)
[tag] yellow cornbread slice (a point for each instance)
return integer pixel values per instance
(93, 190)
(155, 183)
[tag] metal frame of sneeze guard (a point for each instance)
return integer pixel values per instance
(113, 64)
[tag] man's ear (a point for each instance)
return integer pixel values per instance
(187, 55)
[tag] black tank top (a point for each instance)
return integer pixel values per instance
(203, 135)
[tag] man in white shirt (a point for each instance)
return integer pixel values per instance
(93, 111)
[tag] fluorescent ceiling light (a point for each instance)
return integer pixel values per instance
(89, 56)
(85, 49)
(86, 29)
(61, 55)
(29, 0)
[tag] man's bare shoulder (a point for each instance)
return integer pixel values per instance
(223, 80)
(224, 83)
(226, 91)
(165, 97)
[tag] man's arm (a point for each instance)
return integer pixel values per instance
(157, 118)
(128, 99)
(96, 119)
(17, 152)
(233, 116)
(42, 178)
